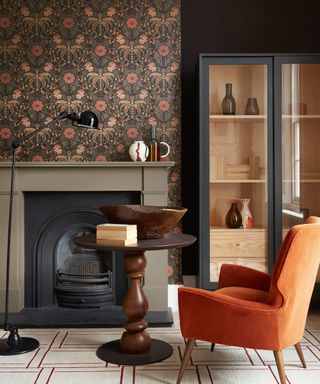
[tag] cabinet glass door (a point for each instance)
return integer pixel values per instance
(238, 120)
(300, 129)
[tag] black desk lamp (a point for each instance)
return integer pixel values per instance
(15, 344)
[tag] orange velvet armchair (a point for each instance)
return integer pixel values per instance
(253, 309)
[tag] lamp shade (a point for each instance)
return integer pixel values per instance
(87, 119)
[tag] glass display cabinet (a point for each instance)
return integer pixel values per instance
(259, 165)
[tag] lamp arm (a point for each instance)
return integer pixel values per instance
(63, 115)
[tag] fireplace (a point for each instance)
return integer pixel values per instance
(58, 273)
(54, 283)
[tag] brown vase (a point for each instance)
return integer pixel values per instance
(233, 217)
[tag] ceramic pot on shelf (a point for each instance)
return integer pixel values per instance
(138, 151)
(247, 220)
(233, 218)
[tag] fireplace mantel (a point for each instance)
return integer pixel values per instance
(150, 178)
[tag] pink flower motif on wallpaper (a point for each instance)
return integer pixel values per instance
(5, 22)
(88, 11)
(121, 148)
(16, 94)
(57, 94)
(37, 50)
(164, 105)
(152, 121)
(69, 133)
(100, 50)
(174, 11)
(37, 158)
(68, 23)
(47, 11)
(80, 149)
(132, 23)
(5, 133)
(174, 67)
(152, 12)
(80, 39)
(88, 66)
(143, 39)
(111, 11)
(57, 149)
(5, 78)
(111, 66)
(80, 94)
(25, 122)
(101, 158)
(69, 78)
(25, 66)
(120, 39)
(48, 67)
(121, 94)
(143, 94)
(163, 50)
(57, 39)
(132, 133)
(25, 11)
(132, 77)
(101, 105)
(37, 105)
(152, 67)
(112, 121)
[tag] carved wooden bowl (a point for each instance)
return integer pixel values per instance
(153, 222)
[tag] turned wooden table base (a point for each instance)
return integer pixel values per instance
(135, 346)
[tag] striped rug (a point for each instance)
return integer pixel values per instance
(67, 356)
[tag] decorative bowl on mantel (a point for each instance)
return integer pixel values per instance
(153, 222)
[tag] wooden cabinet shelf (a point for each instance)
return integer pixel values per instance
(223, 181)
(228, 118)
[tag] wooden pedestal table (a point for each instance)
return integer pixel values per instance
(135, 346)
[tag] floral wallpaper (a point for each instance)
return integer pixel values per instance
(120, 59)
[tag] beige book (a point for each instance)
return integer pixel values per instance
(118, 242)
(116, 235)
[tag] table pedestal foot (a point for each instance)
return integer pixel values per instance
(112, 353)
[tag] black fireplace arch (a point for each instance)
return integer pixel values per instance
(48, 216)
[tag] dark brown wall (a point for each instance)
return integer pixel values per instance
(232, 26)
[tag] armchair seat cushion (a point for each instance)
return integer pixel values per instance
(243, 293)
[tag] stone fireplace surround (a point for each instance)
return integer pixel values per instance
(148, 178)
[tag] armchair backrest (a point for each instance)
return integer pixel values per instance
(295, 271)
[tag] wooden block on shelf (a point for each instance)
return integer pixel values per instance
(254, 163)
(237, 171)
(110, 231)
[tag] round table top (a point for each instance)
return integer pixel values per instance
(172, 240)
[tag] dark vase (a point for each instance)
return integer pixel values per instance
(252, 107)
(233, 217)
(154, 147)
(228, 102)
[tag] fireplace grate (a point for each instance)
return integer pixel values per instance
(83, 282)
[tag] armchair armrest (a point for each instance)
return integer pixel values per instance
(232, 275)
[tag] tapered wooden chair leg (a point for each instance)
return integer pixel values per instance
(280, 365)
(300, 354)
(212, 347)
(186, 357)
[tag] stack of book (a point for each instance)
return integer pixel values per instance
(117, 234)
